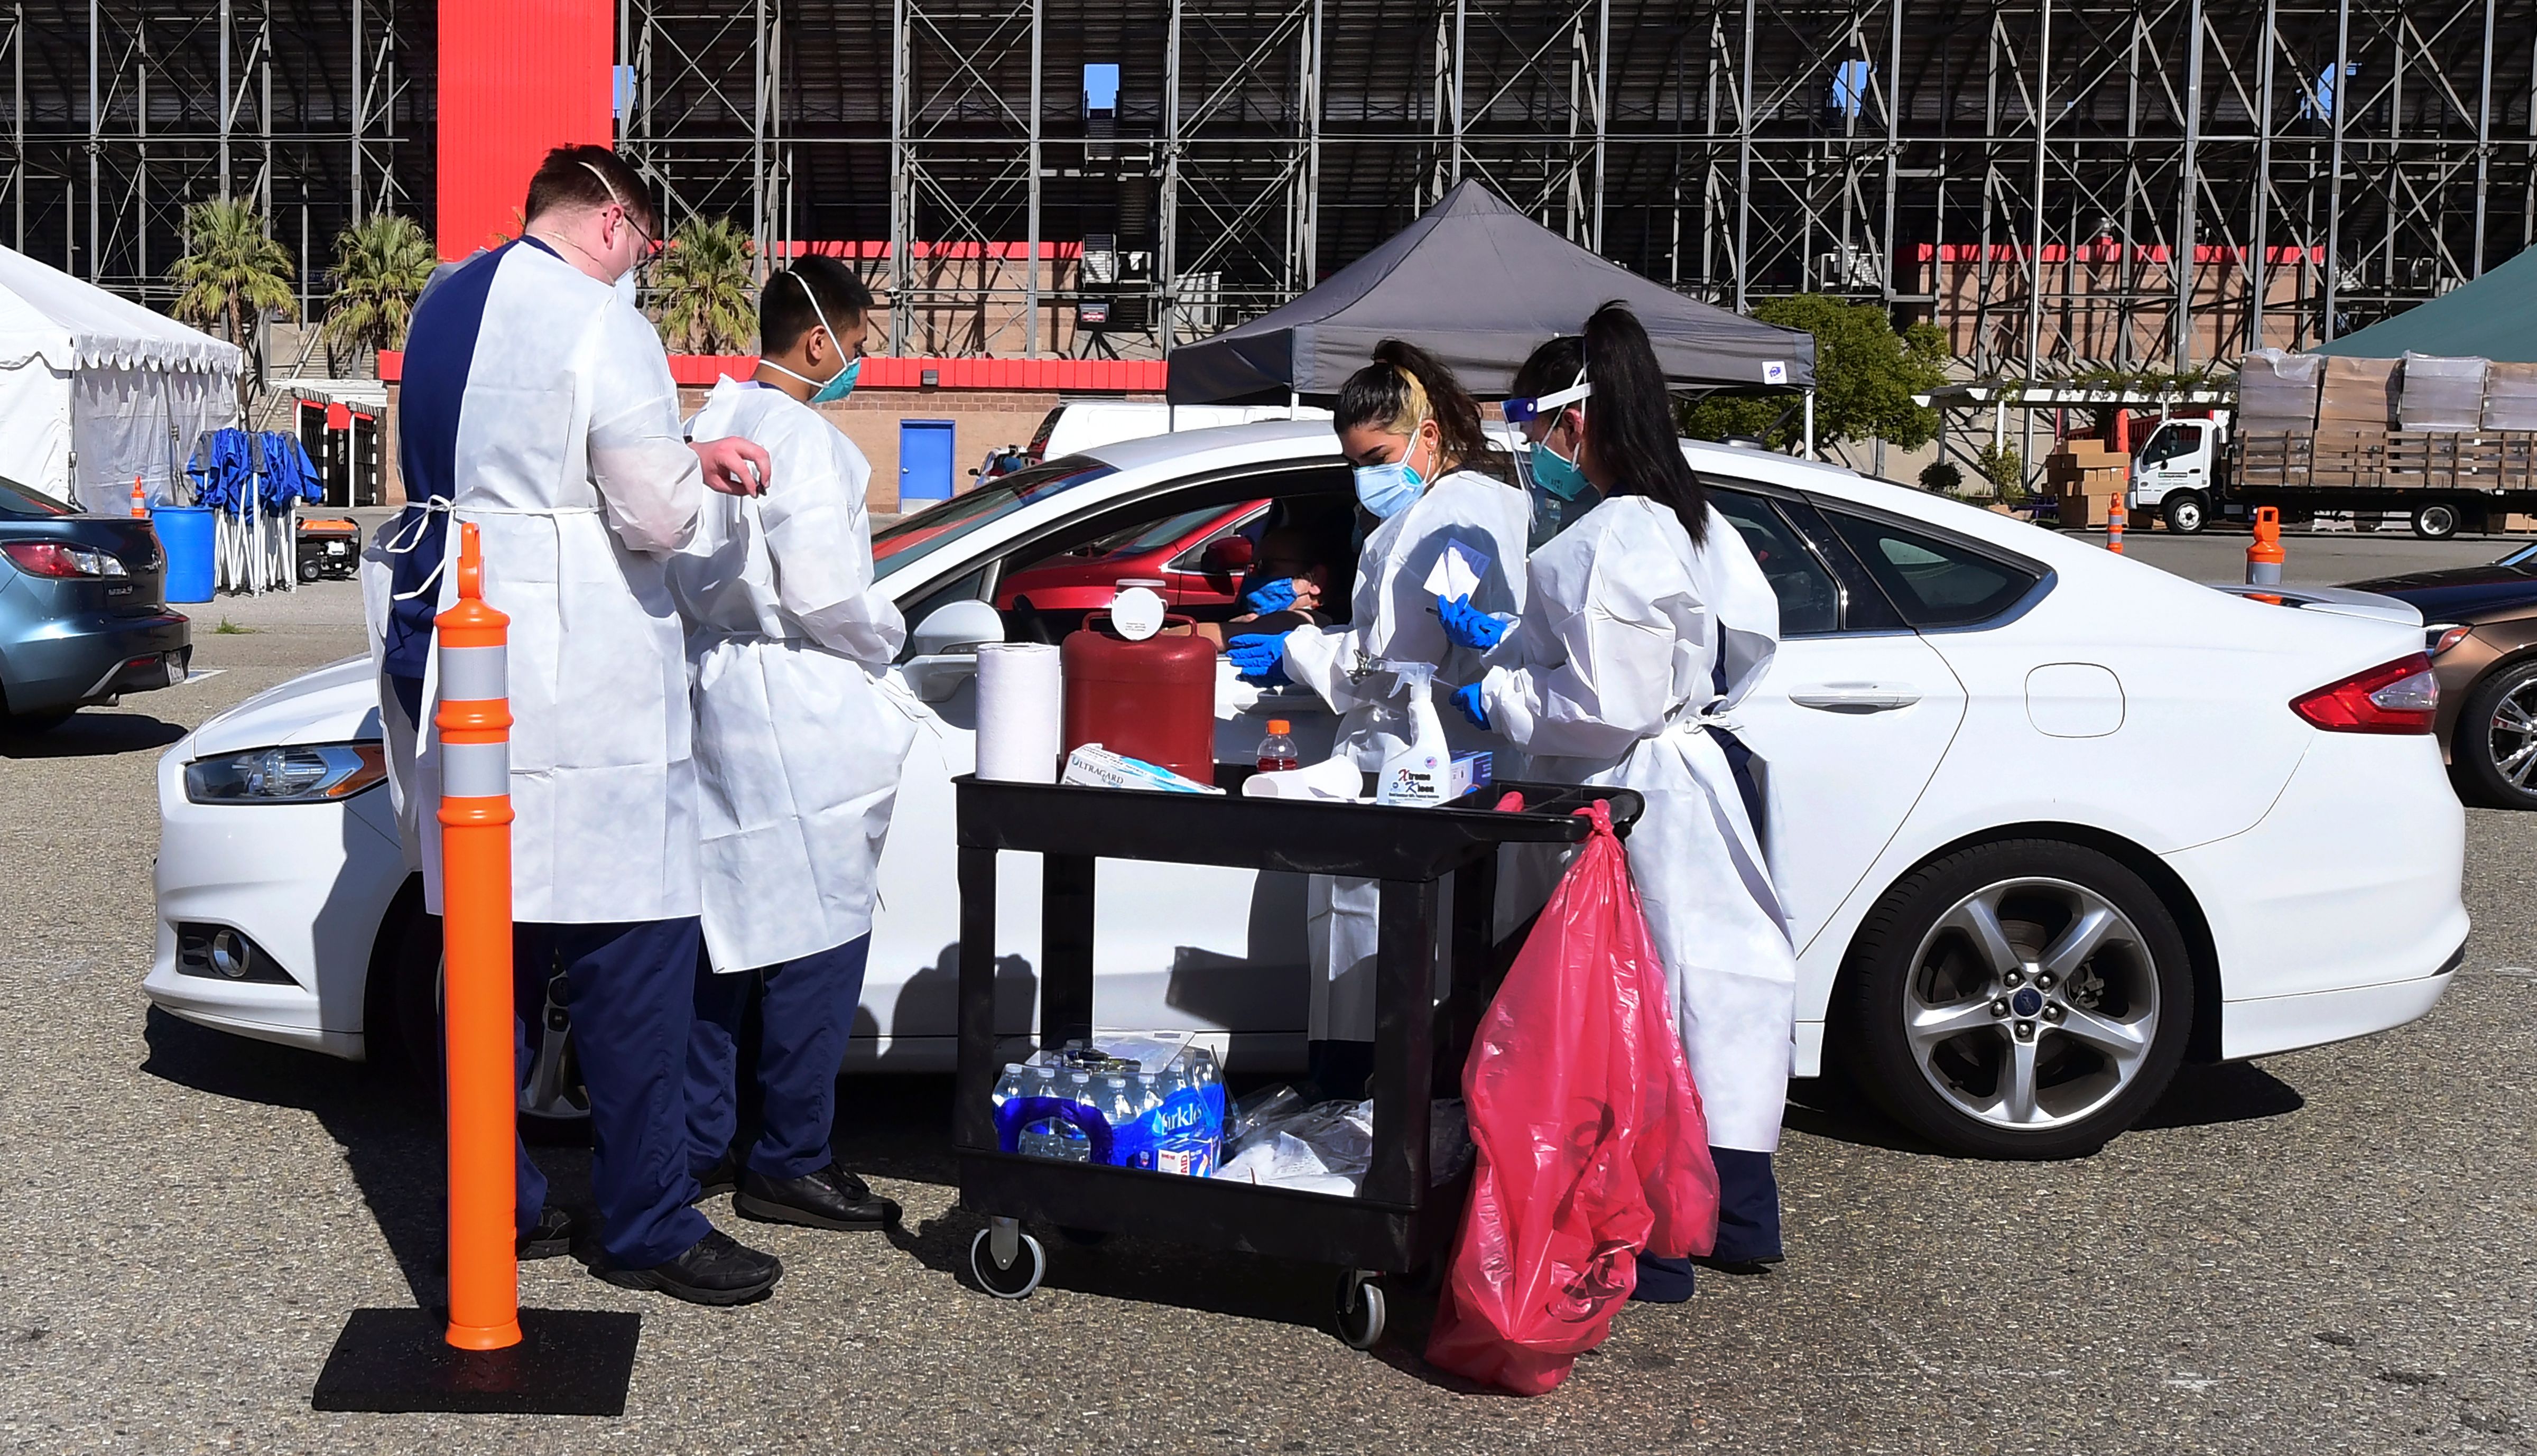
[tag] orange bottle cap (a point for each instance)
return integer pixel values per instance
(1277, 724)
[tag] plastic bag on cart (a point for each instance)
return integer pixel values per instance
(1590, 1142)
(1327, 1147)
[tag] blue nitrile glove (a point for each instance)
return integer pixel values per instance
(1468, 624)
(1259, 657)
(1271, 597)
(1467, 698)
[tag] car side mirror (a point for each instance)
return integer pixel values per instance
(947, 646)
(958, 627)
(1226, 555)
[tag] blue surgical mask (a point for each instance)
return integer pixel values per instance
(1556, 474)
(1388, 490)
(841, 384)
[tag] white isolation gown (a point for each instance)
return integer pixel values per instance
(1634, 642)
(1391, 617)
(544, 413)
(799, 739)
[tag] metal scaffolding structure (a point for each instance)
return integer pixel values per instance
(122, 112)
(2141, 183)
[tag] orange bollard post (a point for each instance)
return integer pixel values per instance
(475, 724)
(2265, 558)
(140, 503)
(2115, 518)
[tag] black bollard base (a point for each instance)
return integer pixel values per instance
(568, 1363)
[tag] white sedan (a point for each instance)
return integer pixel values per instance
(2049, 822)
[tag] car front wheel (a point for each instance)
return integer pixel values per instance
(553, 1105)
(2185, 512)
(2496, 738)
(2023, 999)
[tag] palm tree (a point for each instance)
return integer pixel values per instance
(231, 271)
(703, 286)
(381, 265)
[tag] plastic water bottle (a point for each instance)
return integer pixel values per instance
(1010, 1085)
(1053, 1137)
(1278, 750)
(1208, 1080)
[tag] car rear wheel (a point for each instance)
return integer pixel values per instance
(2024, 999)
(2185, 512)
(2496, 738)
(2435, 521)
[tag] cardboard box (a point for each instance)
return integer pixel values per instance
(2510, 397)
(2278, 391)
(2359, 395)
(2084, 511)
(2441, 393)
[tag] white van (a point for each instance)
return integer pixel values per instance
(1077, 425)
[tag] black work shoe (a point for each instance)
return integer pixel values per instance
(716, 1269)
(723, 1178)
(551, 1237)
(831, 1198)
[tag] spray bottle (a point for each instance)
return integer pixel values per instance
(1416, 773)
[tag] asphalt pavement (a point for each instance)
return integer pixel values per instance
(2332, 1250)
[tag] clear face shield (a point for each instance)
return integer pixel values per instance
(1543, 467)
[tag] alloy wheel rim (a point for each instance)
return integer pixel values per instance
(2511, 738)
(2032, 1004)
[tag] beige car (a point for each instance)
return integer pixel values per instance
(2480, 626)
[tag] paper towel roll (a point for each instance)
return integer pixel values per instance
(1022, 702)
(1334, 778)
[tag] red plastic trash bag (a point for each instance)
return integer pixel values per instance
(1590, 1143)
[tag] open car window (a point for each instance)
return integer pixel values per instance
(929, 531)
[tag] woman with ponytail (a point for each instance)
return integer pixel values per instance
(1432, 513)
(1647, 622)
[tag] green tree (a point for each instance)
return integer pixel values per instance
(2005, 469)
(381, 265)
(704, 283)
(1865, 375)
(231, 272)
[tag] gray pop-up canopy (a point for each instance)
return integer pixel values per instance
(1480, 285)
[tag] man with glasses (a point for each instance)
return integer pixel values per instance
(537, 405)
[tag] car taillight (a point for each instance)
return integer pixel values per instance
(53, 559)
(2398, 697)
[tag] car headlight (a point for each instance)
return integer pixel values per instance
(297, 774)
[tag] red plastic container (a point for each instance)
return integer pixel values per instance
(1154, 700)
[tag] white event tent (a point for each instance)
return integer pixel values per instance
(95, 389)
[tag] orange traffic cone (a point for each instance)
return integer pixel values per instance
(139, 502)
(475, 724)
(2115, 516)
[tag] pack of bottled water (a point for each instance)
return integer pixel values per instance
(1149, 1100)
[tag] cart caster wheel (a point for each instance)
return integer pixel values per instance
(1029, 1266)
(1083, 1237)
(1361, 1310)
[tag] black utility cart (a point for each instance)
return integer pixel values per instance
(1401, 1219)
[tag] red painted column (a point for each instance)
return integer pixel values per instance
(517, 79)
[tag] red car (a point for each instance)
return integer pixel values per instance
(1199, 556)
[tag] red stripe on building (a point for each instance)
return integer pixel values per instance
(518, 77)
(2104, 252)
(1090, 376)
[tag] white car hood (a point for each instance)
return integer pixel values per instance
(337, 704)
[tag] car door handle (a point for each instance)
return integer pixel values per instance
(1856, 697)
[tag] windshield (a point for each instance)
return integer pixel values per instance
(2525, 556)
(18, 503)
(929, 531)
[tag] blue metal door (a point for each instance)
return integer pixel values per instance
(923, 460)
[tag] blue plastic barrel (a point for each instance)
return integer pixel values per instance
(185, 534)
